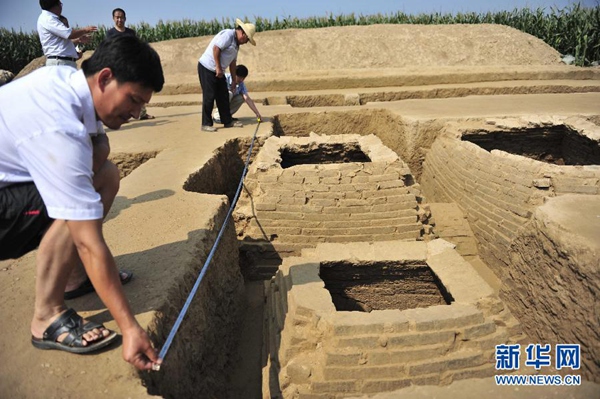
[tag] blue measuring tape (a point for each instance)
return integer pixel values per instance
(169, 341)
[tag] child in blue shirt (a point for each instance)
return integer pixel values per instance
(240, 96)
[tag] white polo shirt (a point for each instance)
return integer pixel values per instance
(54, 36)
(47, 119)
(225, 40)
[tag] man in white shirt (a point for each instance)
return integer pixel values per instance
(220, 54)
(56, 184)
(56, 37)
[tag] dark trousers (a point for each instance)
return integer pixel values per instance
(213, 89)
(23, 220)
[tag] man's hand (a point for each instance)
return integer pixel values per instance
(85, 39)
(77, 33)
(138, 350)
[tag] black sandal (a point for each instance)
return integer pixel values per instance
(70, 322)
(86, 287)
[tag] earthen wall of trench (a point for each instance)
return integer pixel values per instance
(204, 347)
(557, 273)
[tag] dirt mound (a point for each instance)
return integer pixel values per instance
(297, 51)
(32, 66)
(327, 52)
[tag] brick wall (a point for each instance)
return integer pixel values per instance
(304, 205)
(320, 352)
(499, 191)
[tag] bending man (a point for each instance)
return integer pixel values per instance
(241, 95)
(221, 54)
(56, 184)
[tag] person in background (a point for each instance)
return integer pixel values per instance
(57, 37)
(119, 18)
(240, 96)
(65, 21)
(221, 54)
(56, 185)
(120, 29)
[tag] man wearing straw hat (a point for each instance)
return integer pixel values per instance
(220, 54)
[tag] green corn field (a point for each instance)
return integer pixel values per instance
(573, 30)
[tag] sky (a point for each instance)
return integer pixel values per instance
(23, 14)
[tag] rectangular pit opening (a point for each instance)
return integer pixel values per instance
(556, 145)
(323, 154)
(383, 285)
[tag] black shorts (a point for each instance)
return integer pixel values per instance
(23, 220)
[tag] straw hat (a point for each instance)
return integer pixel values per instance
(248, 29)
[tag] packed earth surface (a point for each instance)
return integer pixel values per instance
(168, 212)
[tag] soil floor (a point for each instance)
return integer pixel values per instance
(153, 217)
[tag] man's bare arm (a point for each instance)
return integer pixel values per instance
(77, 33)
(217, 56)
(101, 147)
(101, 269)
(252, 105)
(232, 71)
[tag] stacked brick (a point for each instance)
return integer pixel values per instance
(285, 210)
(499, 191)
(323, 353)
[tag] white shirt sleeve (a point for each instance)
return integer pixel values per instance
(67, 187)
(57, 28)
(223, 39)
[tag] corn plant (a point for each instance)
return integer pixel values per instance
(17, 49)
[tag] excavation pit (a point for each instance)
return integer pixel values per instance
(503, 196)
(302, 191)
(323, 154)
(556, 144)
(296, 208)
(384, 349)
(382, 285)
(494, 170)
(128, 162)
